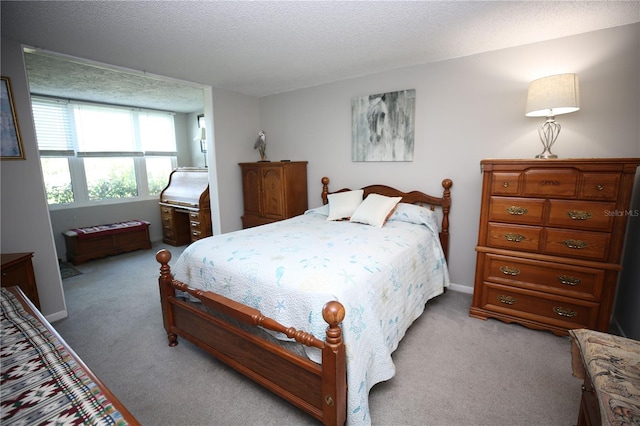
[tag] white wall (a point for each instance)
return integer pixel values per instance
(235, 122)
(467, 109)
(25, 223)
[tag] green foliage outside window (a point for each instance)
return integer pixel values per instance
(59, 194)
(113, 188)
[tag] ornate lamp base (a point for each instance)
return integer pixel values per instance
(548, 133)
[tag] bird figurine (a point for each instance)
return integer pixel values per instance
(261, 145)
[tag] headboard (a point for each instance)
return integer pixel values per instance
(413, 197)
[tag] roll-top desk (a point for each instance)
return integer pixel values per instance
(184, 206)
(550, 241)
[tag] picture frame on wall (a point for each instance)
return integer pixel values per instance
(383, 126)
(11, 147)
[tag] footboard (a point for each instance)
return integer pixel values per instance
(320, 390)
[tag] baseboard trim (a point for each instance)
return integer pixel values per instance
(57, 316)
(461, 288)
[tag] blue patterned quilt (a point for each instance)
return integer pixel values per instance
(289, 269)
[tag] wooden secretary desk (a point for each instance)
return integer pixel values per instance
(184, 206)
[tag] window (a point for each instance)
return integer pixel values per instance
(94, 153)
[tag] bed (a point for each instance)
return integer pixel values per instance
(43, 380)
(312, 307)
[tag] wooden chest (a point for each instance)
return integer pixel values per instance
(101, 244)
(550, 241)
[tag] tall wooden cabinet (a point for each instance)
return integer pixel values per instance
(184, 207)
(273, 191)
(550, 241)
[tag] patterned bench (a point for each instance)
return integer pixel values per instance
(94, 242)
(610, 368)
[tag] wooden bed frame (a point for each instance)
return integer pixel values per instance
(320, 390)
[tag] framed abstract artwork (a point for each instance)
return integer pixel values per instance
(383, 126)
(10, 141)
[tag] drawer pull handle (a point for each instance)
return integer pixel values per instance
(568, 280)
(517, 210)
(506, 184)
(564, 312)
(516, 238)
(599, 187)
(579, 215)
(507, 300)
(576, 244)
(508, 270)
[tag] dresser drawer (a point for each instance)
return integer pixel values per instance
(167, 231)
(581, 215)
(578, 244)
(516, 210)
(554, 310)
(570, 281)
(514, 237)
(194, 217)
(505, 183)
(559, 183)
(600, 186)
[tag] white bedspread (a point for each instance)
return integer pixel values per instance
(288, 270)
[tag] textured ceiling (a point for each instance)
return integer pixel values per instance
(266, 47)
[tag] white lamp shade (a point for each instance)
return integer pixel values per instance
(553, 95)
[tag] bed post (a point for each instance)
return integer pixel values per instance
(446, 206)
(334, 371)
(325, 190)
(166, 291)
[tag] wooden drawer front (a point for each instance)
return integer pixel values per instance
(570, 281)
(551, 182)
(580, 244)
(167, 218)
(14, 276)
(516, 210)
(600, 186)
(581, 214)
(514, 237)
(194, 217)
(194, 225)
(541, 307)
(505, 183)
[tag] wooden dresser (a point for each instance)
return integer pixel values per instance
(17, 270)
(550, 241)
(273, 191)
(184, 207)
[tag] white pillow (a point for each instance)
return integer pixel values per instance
(375, 209)
(343, 204)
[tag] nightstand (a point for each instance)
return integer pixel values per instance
(17, 270)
